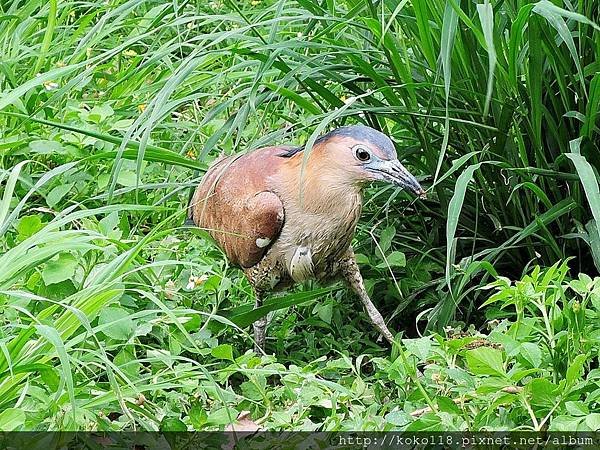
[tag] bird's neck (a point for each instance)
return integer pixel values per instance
(318, 191)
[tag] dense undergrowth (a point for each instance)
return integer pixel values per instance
(117, 316)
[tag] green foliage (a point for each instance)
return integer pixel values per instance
(116, 316)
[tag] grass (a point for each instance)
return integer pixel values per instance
(111, 111)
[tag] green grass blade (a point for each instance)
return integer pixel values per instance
(52, 336)
(246, 315)
(51, 24)
(454, 210)
(486, 17)
(9, 189)
(591, 116)
(422, 15)
(155, 154)
(590, 184)
(449, 27)
(535, 74)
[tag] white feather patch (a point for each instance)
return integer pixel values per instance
(262, 242)
(301, 265)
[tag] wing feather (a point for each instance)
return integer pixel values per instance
(235, 205)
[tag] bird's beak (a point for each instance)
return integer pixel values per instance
(394, 172)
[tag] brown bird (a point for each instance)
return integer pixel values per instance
(286, 216)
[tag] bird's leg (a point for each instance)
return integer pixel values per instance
(260, 326)
(351, 274)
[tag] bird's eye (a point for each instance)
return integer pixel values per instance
(362, 154)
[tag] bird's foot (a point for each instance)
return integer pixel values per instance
(377, 319)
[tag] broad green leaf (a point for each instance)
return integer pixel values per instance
(427, 422)
(387, 235)
(394, 259)
(127, 178)
(565, 423)
(198, 416)
(543, 393)
(420, 347)
(172, 424)
(362, 259)
(485, 361)
(575, 369)
(57, 194)
(127, 361)
(109, 223)
(11, 419)
(398, 418)
(325, 312)
(29, 225)
(223, 351)
(99, 113)
(116, 323)
(577, 408)
(222, 416)
(251, 391)
(60, 269)
(45, 147)
(593, 421)
(491, 385)
(447, 405)
(532, 353)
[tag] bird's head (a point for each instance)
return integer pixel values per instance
(360, 154)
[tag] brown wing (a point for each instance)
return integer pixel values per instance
(234, 204)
